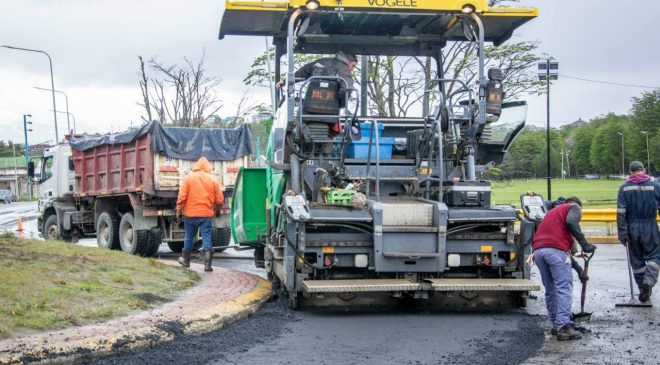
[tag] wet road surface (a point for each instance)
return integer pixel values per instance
(617, 335)
(276, 335)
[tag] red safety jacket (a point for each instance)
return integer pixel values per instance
(553, 230)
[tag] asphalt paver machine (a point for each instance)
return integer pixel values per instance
(397, 212)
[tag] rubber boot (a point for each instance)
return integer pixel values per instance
(184, 259)
(208, 260)
(568, 333)
(645, 292)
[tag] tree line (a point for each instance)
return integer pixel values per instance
(593, 147)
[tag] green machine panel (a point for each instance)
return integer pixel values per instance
(248, 207)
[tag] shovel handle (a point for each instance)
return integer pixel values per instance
(585, 272)
(630, 274)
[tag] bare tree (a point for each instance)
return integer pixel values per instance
(245, 107)
(144, 87)
(182, 95)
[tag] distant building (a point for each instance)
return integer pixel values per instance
(13, 176)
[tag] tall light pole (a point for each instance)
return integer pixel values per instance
(27, 149)
(72, 116)
(648, 156)
(548, 70)
(66, 99)
(17, 191)
(26, 130)
(623, 160)
(562, 163)
(52, 81)
(568, 162)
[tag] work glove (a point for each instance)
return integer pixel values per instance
(588, 248)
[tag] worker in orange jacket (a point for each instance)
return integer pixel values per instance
(200, 198)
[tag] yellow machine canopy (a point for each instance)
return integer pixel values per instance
(379, 27)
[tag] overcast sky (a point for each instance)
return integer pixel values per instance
(94, 45)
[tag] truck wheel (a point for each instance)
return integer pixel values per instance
(226, 236)
(175, 246)
(133, 241)
(197, 244)
(154, 241)
(51, 228)
(221, 237)
(107, 230)
(127, 234)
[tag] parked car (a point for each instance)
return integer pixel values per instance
(591, 177)
(6, 196)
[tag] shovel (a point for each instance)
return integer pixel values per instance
(633, 302)
(584, 316)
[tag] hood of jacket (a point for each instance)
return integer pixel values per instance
(202, 165)
(638, 178)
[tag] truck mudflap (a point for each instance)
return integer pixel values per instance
(403, 285)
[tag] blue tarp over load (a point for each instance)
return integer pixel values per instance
(215, 144)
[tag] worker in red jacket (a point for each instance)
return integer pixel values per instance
(551, 246)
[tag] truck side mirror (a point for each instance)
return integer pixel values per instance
(30, 169)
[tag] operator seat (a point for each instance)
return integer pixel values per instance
(322, 101)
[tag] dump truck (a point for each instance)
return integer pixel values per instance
(122, 188)
(401, 211)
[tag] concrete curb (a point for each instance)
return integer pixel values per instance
(51, 348)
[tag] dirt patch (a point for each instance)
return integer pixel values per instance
(150, 298)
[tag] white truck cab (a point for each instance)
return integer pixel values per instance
(56, 178)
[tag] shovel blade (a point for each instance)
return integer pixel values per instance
(634, 303)
(582, 317)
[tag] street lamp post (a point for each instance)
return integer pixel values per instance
(27, 149)
(623, 160)
(562, 163)
(548, 70)
(72, 116)
(66, 99)
(26, 130)
(648, 156)
(16, 190)
(52, 81)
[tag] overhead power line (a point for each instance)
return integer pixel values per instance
(609, 83)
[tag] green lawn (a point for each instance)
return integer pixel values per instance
(49, 285)
(593, 193)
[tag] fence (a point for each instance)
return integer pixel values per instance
(606, 216)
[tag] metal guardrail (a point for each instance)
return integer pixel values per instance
(605, 215)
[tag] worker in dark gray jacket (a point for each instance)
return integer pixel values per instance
(637, 205)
